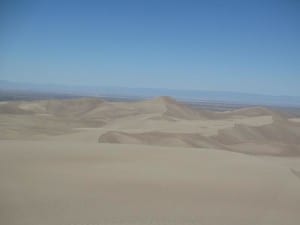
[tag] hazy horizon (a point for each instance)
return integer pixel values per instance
(62, 85)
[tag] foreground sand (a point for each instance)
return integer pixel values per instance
(61, 182)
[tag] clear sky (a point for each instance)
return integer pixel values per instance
(245, 46)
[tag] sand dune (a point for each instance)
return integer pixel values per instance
(159, 138)
(252, 111)
(278, 131)
(92, 107)
(49, 117)
(172, 108)
(68, 107)
(160, 121)
(279, 138)
(89, 161)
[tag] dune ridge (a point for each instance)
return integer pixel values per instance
(159, 121)
(89, 107)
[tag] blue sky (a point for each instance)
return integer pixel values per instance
(245, 46)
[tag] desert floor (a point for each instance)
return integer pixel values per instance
(69, 177)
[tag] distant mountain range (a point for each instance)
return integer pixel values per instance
(125, 92)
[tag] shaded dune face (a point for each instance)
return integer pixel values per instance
(54, 107)
(264, 140)
(13, 108)
(159, 138)
(75, 107)
(252, 111)
(279, 138)
(277, 132)
(49, 117)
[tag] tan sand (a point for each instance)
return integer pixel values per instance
(162, 163)
(47, 182)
